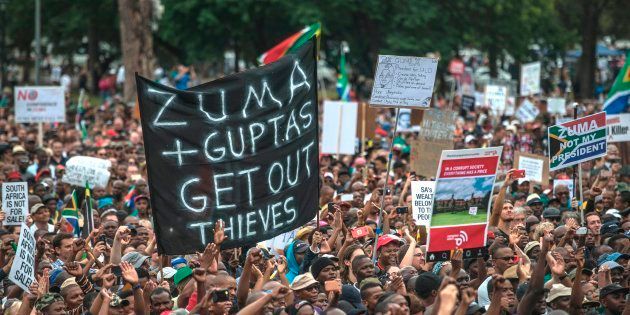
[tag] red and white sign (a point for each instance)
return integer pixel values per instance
(45, 104)
(461, 205)
(456, 67)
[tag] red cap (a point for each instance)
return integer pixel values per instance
(138, 197)
(14, 175)
(386, 239)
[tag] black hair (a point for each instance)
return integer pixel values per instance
(158, 291)
(367, 286)
(56, 242)
(356, 260)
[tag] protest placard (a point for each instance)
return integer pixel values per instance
(14, 203)
(422, 201)
(44, 104)
(468, 102)
(339, 127)
(402, 81)
(618, 127)
(576, 141)
(82, 169)
(536, 167)
(23, 269)
(527, 112)
(461, 206)
(436, 134)
(279, 242)
(530, 78)
(556, 106)
(495, 97)
(252, 160)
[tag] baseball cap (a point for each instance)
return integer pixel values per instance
(181, 274)
(610, 227)
(168, 272)
(300, 247)
(611, 265)
(551, 212)
(612, 288)
(426, 283)
(614, 212)
(386, 239)
(18, 149)
(134, 258)
(36, 207)
(15, 175)
(469, 138)
(303, 281)
(533, 199)
(140, 197)
(558, 290)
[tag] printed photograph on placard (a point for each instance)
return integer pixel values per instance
(455, 197)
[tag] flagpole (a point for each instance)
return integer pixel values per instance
(389, 161)
(577, 169)
(363, 119)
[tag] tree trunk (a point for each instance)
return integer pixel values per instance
(492, 61)
(588, 60)
(93, 69)
(136, 42)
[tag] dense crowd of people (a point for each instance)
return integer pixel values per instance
(543, 255)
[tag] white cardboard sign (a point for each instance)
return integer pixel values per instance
(556, 106)
(23, 270)
(81, 169)
(534, 168)
(402, 81)
(422, 201)
(44, 104)
(496, 97)
(530, 78)
(339, 127)
(527, 112)
(618, 127)
(14, 203)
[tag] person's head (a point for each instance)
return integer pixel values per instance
(370, 293)
(57, 148)
(532, 250)
(392, 298)
(608, 198)
(507, 211)
(62, 245)
(534, 203)
(305, 287)
(362, 267)
(72, 294)
(160, 300)
(109, 228)
(324, 269)
(387, 249)
(562, 192)
(51, 304)
(613, 298)
(551, 215)
(593, 222)
(559, 297)
(426, 286)
(40, 213)
(502, 259)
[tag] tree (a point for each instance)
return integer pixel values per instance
(136, 17)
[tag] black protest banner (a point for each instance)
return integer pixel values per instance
(242, 149)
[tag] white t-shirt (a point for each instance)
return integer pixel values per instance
(483, 299)
(33, 228)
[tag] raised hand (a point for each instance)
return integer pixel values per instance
(200, 275)
(74, 269)
(102, 272)
(108, 280)
(209, 254)
(317, 238)
(123, 234)
(129, 273)
(456, 259)
(281, 264)
(78, 245)
(219, 233)
(468, 296)
(556, 263)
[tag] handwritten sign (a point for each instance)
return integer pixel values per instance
(40, 104)
(242, 149)
(556, 106)
(23, 269)
(14, 203)
(536, 167)
(339, 127)
(530, 78)
(422, 201)
(496, 97)
(82, 169)
(527, 112)
(468, 103)
(404, 81)
(436, 134)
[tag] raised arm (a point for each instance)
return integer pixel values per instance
(497, 207)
